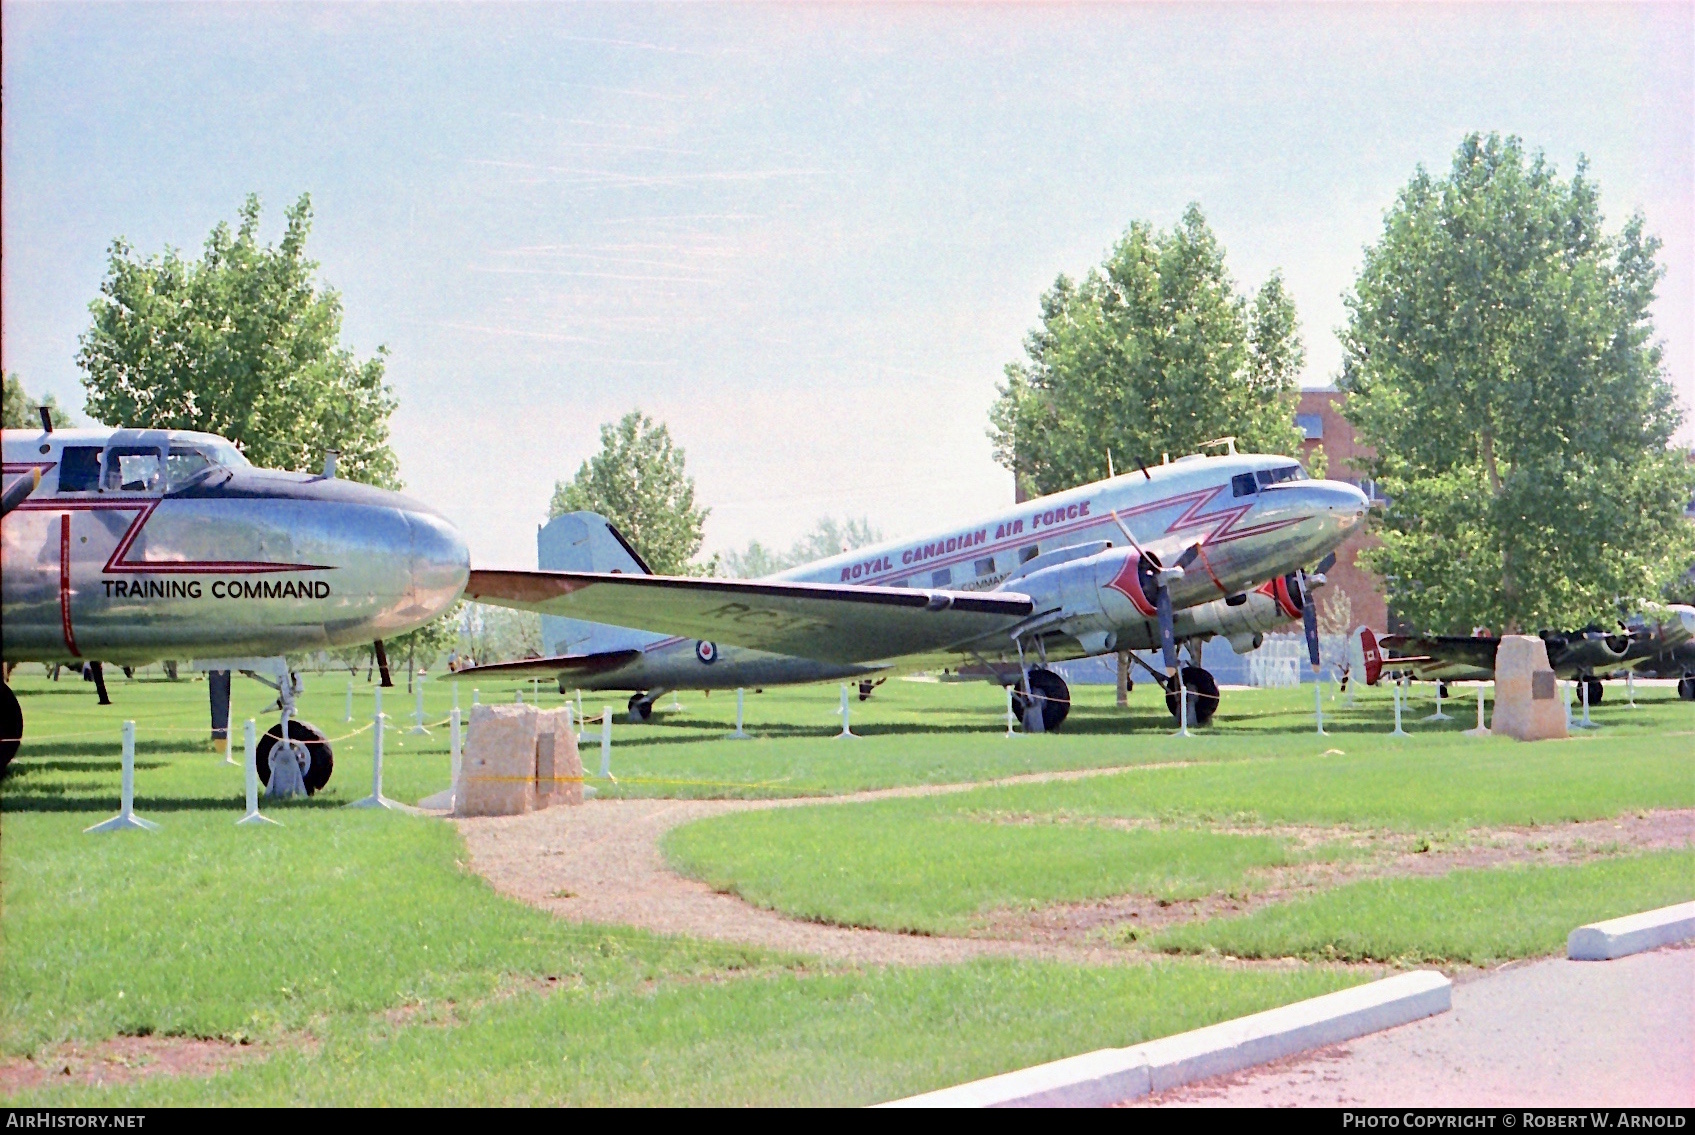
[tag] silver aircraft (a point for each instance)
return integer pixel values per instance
(1173, 554)
(130, 546)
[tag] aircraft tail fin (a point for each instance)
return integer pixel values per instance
(588, 542)
(1365, 657)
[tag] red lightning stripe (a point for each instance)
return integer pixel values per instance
(65, 583)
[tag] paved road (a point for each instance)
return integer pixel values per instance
(1549, 1034)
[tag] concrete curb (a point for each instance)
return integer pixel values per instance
(1114, 1074)
(1632, 934)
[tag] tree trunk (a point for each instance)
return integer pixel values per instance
(1123, 678)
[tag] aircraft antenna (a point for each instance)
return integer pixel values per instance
(1109, 473)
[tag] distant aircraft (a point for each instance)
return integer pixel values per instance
(1166, 555)
(1659, 642)
(130, 546)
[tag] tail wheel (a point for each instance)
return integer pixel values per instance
(1595, 690)
(11, 726)
(309, 748)
(641, 708)
(1203, 695)
(1050, 692)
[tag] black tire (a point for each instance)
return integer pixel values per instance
(303, 732)
(1051, 693)
(1203, 695)
(1686, 689)
(641, 708)
(865, 689)
(11, 726)
(1442, 688)
(1595, 689)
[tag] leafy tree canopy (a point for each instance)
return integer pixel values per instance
(23, 412)
(244, 343)
(638, 482)
(1500, 356)
(1153, 352)
(828, 537)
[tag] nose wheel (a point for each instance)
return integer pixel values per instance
(306, 747)
(11, 726)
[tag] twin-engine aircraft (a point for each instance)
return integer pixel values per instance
(1658, 642)
(131, 546)
(1166, 555)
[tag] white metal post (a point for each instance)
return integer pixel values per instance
(1630, 687)
(476, 697)
(1481, 730)
(126, 819)
(349, 716)
(1009, 716)
(1398, 731)
(1438, 715)
(376, 799)
(456, 695)
(582, 722)
(520, 693)
(418, 710)
(1318, 706)
(448, 797)
(1182, 707)
(846, 732)
(740, 734)
(1583, 696)
(250, 740)
(606, 742)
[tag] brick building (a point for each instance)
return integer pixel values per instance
(1320, 418)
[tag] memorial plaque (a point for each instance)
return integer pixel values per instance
(1542, 685)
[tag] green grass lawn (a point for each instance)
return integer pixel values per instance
(375, 968)
(1479, 917)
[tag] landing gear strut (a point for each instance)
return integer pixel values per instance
(1049, 691)
(641, 706)
(295, 748)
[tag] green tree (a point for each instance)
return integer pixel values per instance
(1153, 352)
(638, 482)
(1500, 356)
(828, 537)
(244, 343)
(23, 412)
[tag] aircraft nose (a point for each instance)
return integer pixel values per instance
(1345, 503)
(440, 562)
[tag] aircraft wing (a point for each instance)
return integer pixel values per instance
(810, 620)
(1437, 654)
(557, 664)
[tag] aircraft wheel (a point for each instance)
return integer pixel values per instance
(1442, 688)
(1052, 694)
(641, 709)
(1596, 690)
(865, 689)
(1203, 695)
(1686, 689)
(320, 761)
(11, 726)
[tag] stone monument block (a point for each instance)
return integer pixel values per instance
(498, 768)
(1527, 705)
(559, 770)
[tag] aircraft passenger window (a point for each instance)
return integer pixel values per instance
(1235, 600)
(1025, 555)
(1278, 476)
(1242, 484)
(131, 470)
(184, 465)
(79, 469)
(941, 578)
(985, 566)
(899, 583)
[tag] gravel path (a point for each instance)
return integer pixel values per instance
(601, 863)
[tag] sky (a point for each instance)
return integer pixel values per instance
(808, 238)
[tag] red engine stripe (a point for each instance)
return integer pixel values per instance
(65, 584)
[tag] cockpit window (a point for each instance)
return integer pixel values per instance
(131, 469)
(1243, 484)
(1278, 476)
(79, 469)
(221, 452)
(183, 465)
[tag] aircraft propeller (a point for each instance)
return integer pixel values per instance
(18, 491)
(1309, 606)
(1161, 579)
